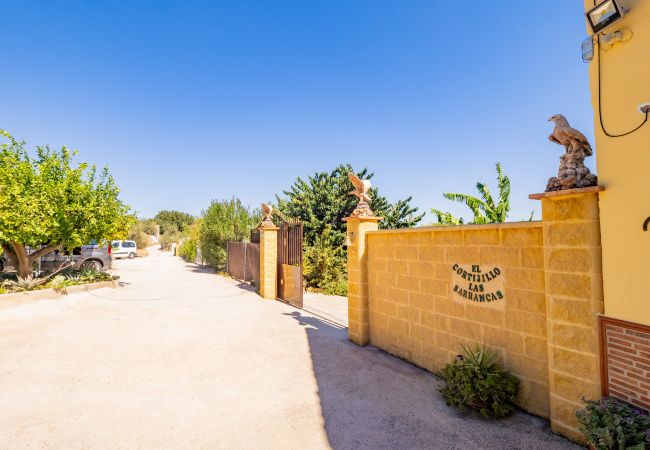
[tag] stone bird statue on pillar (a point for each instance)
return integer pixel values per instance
(361, 187)
(572, 173)
(267, 210)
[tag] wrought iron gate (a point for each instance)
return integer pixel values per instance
(290, 286)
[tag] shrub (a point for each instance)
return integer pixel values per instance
(59, 283)
(325, 266)
(150, 227)
(28, 283)
(167, 239)
(139, 232)
(223, 221)
(188, 250)
(478, 384)
(612, 424)
(189, 246)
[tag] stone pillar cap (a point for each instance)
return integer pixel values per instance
(363, 218)
(576, 191)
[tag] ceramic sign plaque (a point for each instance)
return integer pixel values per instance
(477, 283)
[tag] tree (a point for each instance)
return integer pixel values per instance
(484, 209)
(223, 221)
(171, 221)
(323, 201)
(396, 215)
(46, 204)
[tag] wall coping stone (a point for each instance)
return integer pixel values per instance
(488, 226)
(363, 219)
(575, 191)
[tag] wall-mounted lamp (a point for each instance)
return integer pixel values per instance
(587, 48)
(348, 240)
(604, 15)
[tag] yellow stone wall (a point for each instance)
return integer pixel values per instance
(574, 295)
(413, 314)
(545, 326)
(269, 263)
(623, 165)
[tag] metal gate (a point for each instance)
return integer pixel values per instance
(290, 237)
(244, 259)
(243, 262)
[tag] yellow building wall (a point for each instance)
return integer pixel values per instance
(623, 167)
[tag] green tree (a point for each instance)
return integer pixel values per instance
(322, 201)
(171, 221)
(484, 209)
(223, 221)
(47, 204)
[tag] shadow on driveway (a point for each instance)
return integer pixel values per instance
(371, 400)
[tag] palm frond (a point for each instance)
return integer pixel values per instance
(446, 218)
(473, 203)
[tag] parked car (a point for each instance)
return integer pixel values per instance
(94, 256)
(123, 249)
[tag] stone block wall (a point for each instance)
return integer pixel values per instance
(532, 291)
(414, 315)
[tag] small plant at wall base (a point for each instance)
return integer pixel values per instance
(478, 384)
(612, 424)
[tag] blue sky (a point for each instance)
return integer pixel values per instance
(189, 101)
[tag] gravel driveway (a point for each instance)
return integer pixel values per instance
(181, 358)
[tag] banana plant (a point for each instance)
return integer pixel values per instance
(485, 208)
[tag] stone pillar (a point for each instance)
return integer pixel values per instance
(268, 261)
(574, 299)
(358, 308)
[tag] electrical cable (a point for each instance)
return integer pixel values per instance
(600, 107)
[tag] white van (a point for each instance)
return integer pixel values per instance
(122, 249)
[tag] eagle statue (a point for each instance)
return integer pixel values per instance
(267, 211)
(572, 173)
(361, 187)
